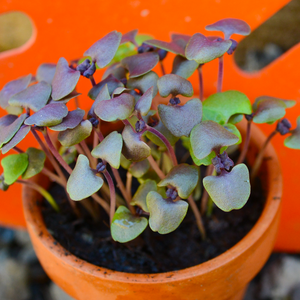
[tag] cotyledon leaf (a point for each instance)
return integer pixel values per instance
(36, 160)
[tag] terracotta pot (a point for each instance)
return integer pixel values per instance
(224, 277)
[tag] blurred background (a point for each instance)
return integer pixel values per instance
(21, 276)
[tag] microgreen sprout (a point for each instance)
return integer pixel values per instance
(146, 145)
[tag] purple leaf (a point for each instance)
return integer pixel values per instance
(143, 83)
(144, 103)
(209, 136)
(34, 97)
(45, 72)
(13, 87)
(184, 67)
(171, 47)
(7, 129)
(18, 137)
(118, 108)
(230, 26)
(104, 50)
(66, 99)
(134, 149)
(140, 64)
(112, 84)
(72, 119)
(177, 36)
(172, 84)
(103, 95)
(129, 37)
(64, 81)
(50, 115)
(180, 120)
(116, 70)
(203, 50)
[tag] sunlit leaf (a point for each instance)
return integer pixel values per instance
(111, 82)
(228, 104)
(229, 190)
(14, 110)
(144, 103)
(104, 50)
(125, 226)
(34, 97)
(143, 83)
(183, 177)
(180, 120)
(184, 67)
(36, 160)
(140, 196)
(9, 126)
(165, 215)
(72, 120)
(110, 149)
(293, 141)
(203, 50)
(45, 72)
(230, 26)
(18, 137)
(83, 182)
(140, 64)
(268, 109)
(50, 115)
(74, 136)
(172, 84)
(140, 168)
(13, 87)
(134, 149)
(118, 108)
(64, 81)
(14, 166)
(209, 136)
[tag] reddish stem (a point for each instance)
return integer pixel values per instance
(200, 74)
(246, 144)
(112, 194)
(221, 73)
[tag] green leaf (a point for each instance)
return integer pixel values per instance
(184, 67)
(228, 104)
(126, 227)
(83, 182)
(34, 97)
(36, 160)
(165, 215)
(293, 141)
(125, 163)
(235, 119)
(69, 154)
(209, 136)
(14, 166)
(140, 168)
(74, 136)
(134, 149)
(140, 196)
(203, 50)
(180, 120)
(229, 190)
(183, 177)
(212, 115)
(110, 149)
(104, 50)
(124, 50)
(172, 84)
(231, 128)
(268, 109)
(49, 115)
(118, 108)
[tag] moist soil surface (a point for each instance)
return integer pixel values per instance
(151, 252)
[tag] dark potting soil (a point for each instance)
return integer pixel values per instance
(151, 252)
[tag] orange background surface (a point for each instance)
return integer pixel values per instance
(67, 28)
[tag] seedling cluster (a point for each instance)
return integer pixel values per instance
(146, 145)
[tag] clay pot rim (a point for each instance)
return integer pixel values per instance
(35, 221)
